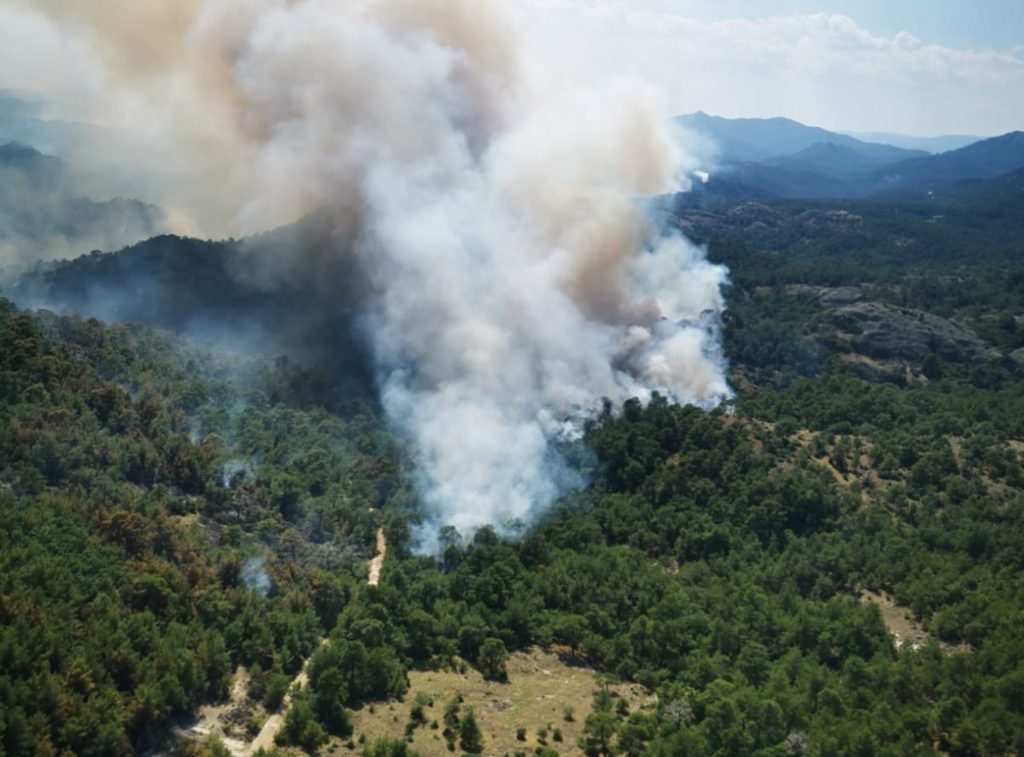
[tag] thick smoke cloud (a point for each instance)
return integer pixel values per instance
(510, 277)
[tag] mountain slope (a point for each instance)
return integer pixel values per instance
(1011, 183)
(828, 159)
(756, 139)
(778, 157)
(154, 536)
(211, 292)
(981, 160)
(792, 181)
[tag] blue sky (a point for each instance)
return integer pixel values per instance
(923, 67)
(981, 24)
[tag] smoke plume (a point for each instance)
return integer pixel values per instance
(254, 575)
(509, 278)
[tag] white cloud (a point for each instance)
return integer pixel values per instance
(821, 68)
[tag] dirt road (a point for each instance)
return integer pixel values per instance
(265, 738)
(267, 734)
(378, 559)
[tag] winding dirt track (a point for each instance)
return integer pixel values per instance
(265, 738)
(267, 734)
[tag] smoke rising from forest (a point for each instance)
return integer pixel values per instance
(509, 276)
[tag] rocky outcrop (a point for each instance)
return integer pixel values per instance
(840, 296)
(831, 220)
(873, 333)
(829, 297)
(754, 214)
(887, 332)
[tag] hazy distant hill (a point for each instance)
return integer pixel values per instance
(828, 159)
(779, 157)
(1000, 197)
(25, 119)
(981, 160)
(212, 291)
(1011, 183)
(757, 139)
(794, 181)
(41, 215)
(34, 169)
(934, 145)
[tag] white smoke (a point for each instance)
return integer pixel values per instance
(234, 472)
(512, 277)
(254, 575)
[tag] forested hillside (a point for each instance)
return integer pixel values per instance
(829, 565)
(166, 517)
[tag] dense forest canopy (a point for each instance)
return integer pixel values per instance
(173, 515)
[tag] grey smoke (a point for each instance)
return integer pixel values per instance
(236, 471)
(254, 575)
(509, 277)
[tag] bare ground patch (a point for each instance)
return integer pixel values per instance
(265, 739)
(377, 563)
(541, 684)
(900, 623)
(898, 620)
(227, 720)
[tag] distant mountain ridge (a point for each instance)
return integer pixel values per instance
(981, 160)
(36, 169)
(779, 157)
(43, 216)
(26, 119)
(933, 145)
(758, 139)
(829, 159)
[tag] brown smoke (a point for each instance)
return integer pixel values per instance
(511, 279)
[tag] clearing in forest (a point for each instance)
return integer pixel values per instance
(541, 685)
(898, 620)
